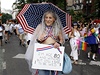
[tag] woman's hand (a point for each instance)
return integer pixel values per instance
(41, 38)
(56, 45)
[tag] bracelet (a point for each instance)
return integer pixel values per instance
(59, 43)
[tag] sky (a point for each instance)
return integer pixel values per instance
(7, 4)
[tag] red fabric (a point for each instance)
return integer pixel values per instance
(96, 21)
(36, 72)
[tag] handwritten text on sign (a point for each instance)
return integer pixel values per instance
(47, 57)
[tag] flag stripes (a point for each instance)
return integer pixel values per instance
(67, 28)
(24, 25)
(24, 9)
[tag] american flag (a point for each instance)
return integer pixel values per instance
(68, 26)
(31, 15)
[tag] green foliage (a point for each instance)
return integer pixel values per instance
(71, 12)
(77, 15)
(96, 9)
(60, 3)
(31, 1)
(6, 17)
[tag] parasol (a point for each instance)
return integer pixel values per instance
(31, 15)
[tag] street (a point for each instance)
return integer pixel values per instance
(12, 60)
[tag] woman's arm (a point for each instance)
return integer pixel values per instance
(61, 40)
(71, 34)
(61, 37)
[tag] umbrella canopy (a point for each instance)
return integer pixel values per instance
(31, 15)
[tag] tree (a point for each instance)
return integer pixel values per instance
(19, 4)
(6, 17)
(32, 1)
(60, 3)
(96, 9)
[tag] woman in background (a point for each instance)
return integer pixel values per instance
(92, 40)
(74, 35)
(1, 32)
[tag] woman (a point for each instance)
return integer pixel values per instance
(74, 36)
(92, 40)
(1, 32)
(20, 32)
(48, 32)
(7, 29)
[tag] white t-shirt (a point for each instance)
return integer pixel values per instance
(11, 27)
(20, 29)
(1, 30)
(15, 26)
(7, 27)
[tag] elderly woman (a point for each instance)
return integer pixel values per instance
(48, 32)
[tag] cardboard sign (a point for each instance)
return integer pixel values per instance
(47, 57)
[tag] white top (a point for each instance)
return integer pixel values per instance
(15, 26)
(11, 27)
(20, 29)
(7, 27)
(77, 34)
(1, 30)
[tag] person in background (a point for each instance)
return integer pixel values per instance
(99, 42)
(92, 40)
(74, 35)
(1, 32)
(14, 27)
(84, 29)
(50, 31)
(21, 34)
(7, 31)
(98, 24)
(11, 27)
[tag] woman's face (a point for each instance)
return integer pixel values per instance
(49, 19)
(75, 26)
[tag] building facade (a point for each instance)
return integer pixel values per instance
(15, 11)
(80, 5)
(76, 5)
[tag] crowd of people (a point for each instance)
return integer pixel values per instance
(12, 27)
(86, 32)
